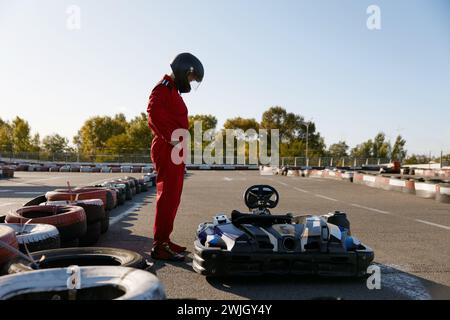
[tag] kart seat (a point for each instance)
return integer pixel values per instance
(238, 218)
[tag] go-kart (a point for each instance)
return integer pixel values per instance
(262, 243)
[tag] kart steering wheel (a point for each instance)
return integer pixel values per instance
(261, 197)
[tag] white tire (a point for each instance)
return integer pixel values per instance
(136, 284)
(36, 237)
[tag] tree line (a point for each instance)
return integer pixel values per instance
(109, 135)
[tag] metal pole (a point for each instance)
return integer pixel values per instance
(307, 136)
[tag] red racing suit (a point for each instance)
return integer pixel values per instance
(166, 113)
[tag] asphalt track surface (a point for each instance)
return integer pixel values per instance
(410, 235)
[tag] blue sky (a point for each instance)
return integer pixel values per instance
(315, 58)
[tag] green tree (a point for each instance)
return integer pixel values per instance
(97, 130)
(290, 125)
(139, 133)
(208, 122)
(398, 150)
(417, 159)
(35, 143)
(119, 144)
(293, 133)
(6, 143)
(21, 135)
(363, 150)
(55, 144)
(381, 148)
(241, 123)
(338, 150)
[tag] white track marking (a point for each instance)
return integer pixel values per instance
(302, 190)
(227, 179)
(368, 208)
(325, 197)
(116, 219)
(433, 224)
(282, 183)
(403, 283)
(4, 191)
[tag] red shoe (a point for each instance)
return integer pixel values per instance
(164, 252)
(176, 248)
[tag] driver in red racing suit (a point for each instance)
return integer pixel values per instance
(167, 112)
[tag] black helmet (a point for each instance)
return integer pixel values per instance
(182, 66)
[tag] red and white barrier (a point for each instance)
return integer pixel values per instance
(443, 193)
(425, 190)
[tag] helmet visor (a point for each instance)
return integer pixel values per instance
(195, 84)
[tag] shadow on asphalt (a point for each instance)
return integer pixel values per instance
(395, 284)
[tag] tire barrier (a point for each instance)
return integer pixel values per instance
(93, 256)
(432, 189)
(83, 194)
(8, 237)
(65, 169)
(115, 169)
(293, 173)
(382, 183)
(347, 176)
(95, 214)
(36, 237)
(69, 220)
(443, 192)
(147, 169)
(105, 170)
(6, 172)
(126, 169)
(425, 190)
(75, 169)
(369, 180)
(397, 184)
(410, 187)
(136, 169)
(54, 169)
(86, 169)
(97, 283)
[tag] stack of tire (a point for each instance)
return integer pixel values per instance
(68, 219)
(104, 274)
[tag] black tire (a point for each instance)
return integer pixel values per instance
(36, 201)
(70, 243)
(144, 187)
(88, 256)
(129, 194)
(94, 212)
(98, 283)
(70, 220)
(92, 234)
(105, 223)
(36, 237)
(94, 209)
(121, 198)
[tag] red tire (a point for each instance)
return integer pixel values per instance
(8, 236)
(70, 221)
(80, 194)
